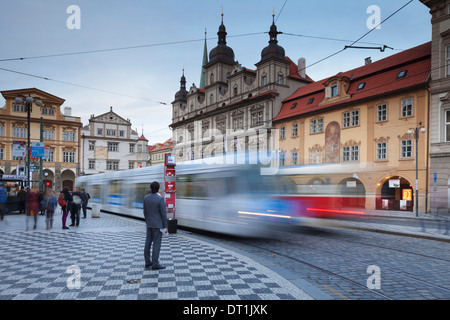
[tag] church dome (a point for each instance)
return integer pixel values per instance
(273, 50)
(181, 95)
(222, 51)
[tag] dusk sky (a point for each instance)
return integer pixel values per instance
(160, 38)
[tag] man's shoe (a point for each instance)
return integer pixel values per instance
(148, 265)
(158, 267)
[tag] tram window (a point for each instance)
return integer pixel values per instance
(140, 190)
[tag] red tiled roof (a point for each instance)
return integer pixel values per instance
(161, 146)
(380, 77)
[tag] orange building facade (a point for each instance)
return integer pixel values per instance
(361, 122)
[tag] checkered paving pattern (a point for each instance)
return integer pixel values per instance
(36, 265)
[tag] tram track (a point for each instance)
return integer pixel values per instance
(353, 260)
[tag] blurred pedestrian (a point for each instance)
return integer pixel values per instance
(32, 207)
(51, 203)
(65, 201)
(22, 198)
(3, 198)
(85, 199)
(156, 221)
(75, 207)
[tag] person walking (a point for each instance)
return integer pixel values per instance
(156, 221)
(22, 198)
(3, 199)
(85, 198)
(75, 207)
(32, 207)
(51, 203)
(65, 202)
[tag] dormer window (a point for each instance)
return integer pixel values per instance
(334, 90)
(361, 86)
(402, 74)
(294, 105)
(310, 101)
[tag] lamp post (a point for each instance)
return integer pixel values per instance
(415, 131)
(28, 104)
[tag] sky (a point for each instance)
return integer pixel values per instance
(155, 40)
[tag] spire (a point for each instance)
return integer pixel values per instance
(222, 51)
(204, 62)
(273, 50)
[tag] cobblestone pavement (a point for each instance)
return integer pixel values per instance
(103, 259)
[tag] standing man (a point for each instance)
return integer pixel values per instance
(85, 198)
(156, 220)
(3, 199)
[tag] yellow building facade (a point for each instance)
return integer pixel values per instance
(61, 135)
(362, 123)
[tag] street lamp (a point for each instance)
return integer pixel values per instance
(28, 104)
(415, 131)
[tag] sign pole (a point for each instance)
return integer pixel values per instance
(170, 190)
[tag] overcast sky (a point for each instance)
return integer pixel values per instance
(167, 35)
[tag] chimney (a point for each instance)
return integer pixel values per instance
(368, 60)
(302, 67)
(68, 111)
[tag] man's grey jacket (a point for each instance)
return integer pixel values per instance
(155, 211)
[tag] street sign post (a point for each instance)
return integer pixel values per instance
(170, 189)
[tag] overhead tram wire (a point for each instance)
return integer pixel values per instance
(355, 41)
(122, 48)
(80, 86)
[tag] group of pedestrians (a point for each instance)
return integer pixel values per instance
(74, 203)
(46, 202)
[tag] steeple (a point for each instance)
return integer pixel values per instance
(273, 50)
(204, 62)
(222, 51)
(181, 95)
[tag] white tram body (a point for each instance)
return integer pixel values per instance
(226, 198)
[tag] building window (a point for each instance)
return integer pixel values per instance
(48, 111)
(351, 118)
(2, 154)
(294, 158)
(282, 159)
(407, 107)
(19, 108)
(361, 86)
(99, 131)
(91, 145)
(350, 153)
(282, 132)
(131, 165)
(51, 156)
(112, 165)
(48, 135)
(316, 156)
(381, 151)
(2, 131)
(447, 126)
(310, 101)
(91, 164)
(257, 118)
(382, 112)
(19, 132)
(447, 60)
(280, 79)
(316, 125)
(113, 146)
(132, 147)
(69, 136)
(295, 130)
(406, 149)
(68, 156)
(334, 90)
(111, 132)
(121, 133)
(238, 123)
(264, 80)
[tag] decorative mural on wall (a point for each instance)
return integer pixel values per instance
(332, 142)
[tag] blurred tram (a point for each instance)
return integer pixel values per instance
(226, 198)
(318, 194)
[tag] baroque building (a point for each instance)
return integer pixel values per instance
(359, 123)
(109, 144)
(233, 112)
(60, 134)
